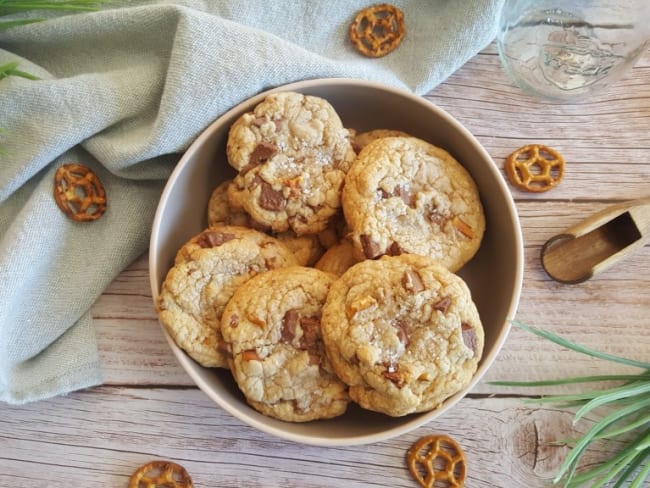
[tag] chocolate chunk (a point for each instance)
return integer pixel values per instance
(398, 191)
(443, 305)
(469, 337)
(370, 248)
(395, 249)
(310, 332)
(404, 194)
(271, 199)
(225, 347)
(262, 153)
(411, 281)
(214, 238)
(289, 323)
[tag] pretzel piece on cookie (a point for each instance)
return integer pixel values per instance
(377, 30)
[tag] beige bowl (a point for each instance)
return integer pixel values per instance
(494, 275)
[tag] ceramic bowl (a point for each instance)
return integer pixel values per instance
(494, 275)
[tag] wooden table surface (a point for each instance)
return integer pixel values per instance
(148, 408)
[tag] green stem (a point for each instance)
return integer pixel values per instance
(22, 6)
(641, 477)
(618, 463)
(626, 391)
(570, 464)
(9, 69)
(587, 395)
(630, 459)
(631, 426)
(574, 379)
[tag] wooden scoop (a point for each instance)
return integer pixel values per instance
(598, 242)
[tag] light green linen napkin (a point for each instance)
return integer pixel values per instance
(125, 91)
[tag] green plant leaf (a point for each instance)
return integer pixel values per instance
(574, 380)
(623, 392)
(10, 69)
(5, 24)
(570, 463)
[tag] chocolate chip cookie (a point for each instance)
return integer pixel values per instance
(402, 332)
(307, 248)
(362, 139)
(207, 271)
(404, 195)
(222, 212)
(291, 153)
(338, 258)
(272, 326)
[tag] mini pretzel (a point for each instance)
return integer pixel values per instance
(377, 30)
(437, 459)
(79, 193)
(163, 474)
(535, 168)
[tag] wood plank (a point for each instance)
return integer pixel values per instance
(96, 438)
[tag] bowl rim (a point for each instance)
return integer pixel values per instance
(486, 361)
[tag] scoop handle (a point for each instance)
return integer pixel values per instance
(598, 242)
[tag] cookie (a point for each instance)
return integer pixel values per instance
(338, 258)
(291, 153)
(272, 325)
(207, 271)
(362, 139)
(402, 332)
(307, 248)
(221, 211)
(337, 229)
(404, 195)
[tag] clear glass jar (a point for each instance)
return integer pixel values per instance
(567, 49)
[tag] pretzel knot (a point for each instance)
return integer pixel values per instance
(377, 30)
(159, 474)
(79, 193)
(437, 460)
(535, 168)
